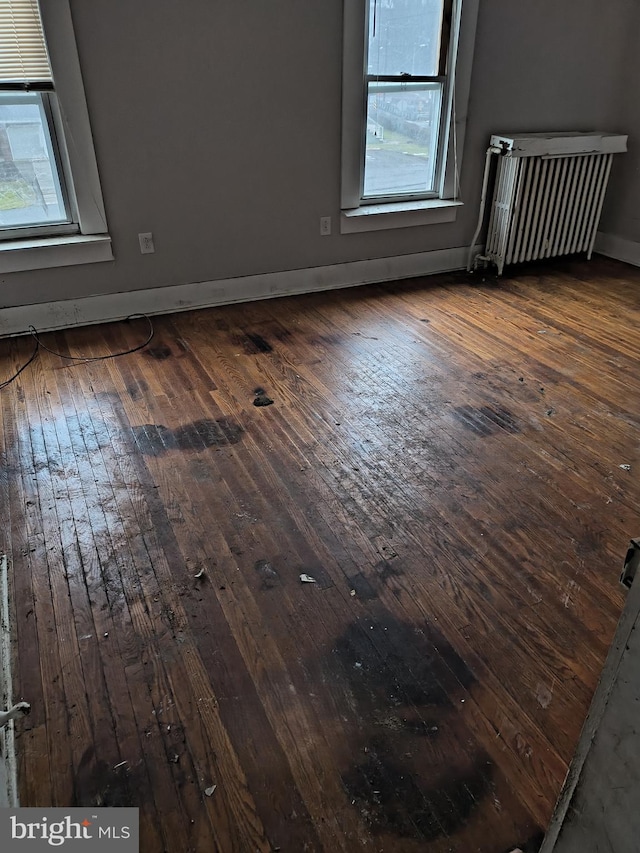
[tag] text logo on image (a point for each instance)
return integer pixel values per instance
(75, 830)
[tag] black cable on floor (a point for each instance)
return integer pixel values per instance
(39, 344)
(24, 367)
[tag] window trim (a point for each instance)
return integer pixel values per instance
(72, 116)
(90, 241)
(401, 211)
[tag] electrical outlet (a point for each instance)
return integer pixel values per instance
(146, 243)
(325, 225)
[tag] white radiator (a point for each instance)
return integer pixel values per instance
(547, 194)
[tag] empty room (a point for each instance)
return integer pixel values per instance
(319, 444)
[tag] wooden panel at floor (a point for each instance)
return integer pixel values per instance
(443, 458)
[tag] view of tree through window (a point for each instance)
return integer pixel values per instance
(403, 115)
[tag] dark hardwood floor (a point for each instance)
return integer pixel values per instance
(444, 459)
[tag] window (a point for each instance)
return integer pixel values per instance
(404, 78)
(407, 49)
(33, 193)
(49, 191)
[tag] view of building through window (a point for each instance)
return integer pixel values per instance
(403, 116)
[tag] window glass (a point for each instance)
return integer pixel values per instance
(404, 37)
(401, 139)
(31, 193)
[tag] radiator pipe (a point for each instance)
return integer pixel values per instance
(483, 202)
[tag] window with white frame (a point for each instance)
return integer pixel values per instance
(400, 76)
(406, 68)
(49, 187)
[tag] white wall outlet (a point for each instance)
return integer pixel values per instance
(146, 243)
(325, 225)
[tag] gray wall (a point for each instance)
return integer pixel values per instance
(217, 127)
(621, 214)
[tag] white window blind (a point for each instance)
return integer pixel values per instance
(23, 52)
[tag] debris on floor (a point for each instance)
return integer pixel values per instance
(209, 791)
(307, 579)
(261, 398)
(625, 467)
(199, 575)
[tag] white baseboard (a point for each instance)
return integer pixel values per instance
(47, 316)
(618, 248)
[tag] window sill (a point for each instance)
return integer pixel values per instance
(44, 252)
(400, 214)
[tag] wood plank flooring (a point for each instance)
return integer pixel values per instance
(443, 456)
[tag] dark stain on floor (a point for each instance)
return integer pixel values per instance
(391, 800)
(156, 439)
(401, 664)
(362, 587)
(98, 784)
(256, 343)
(160, 351)
(486, 420)
(385, 570)
(413, 774)
(368, 587)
